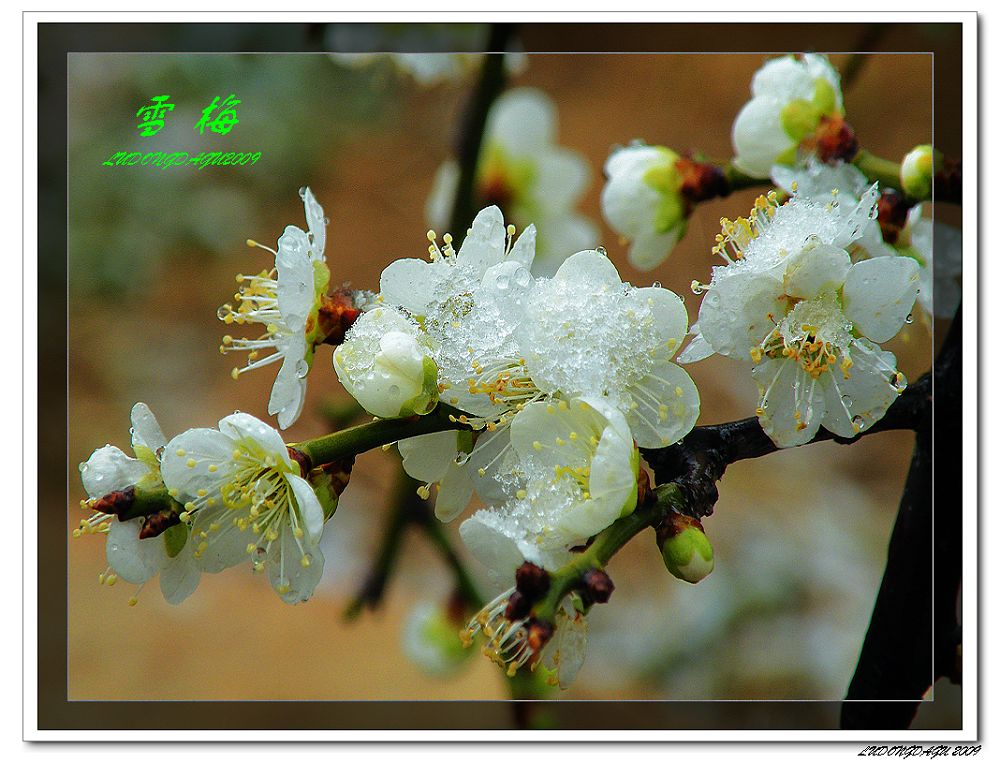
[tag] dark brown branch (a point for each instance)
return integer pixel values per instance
(913, 637)
(699, 461)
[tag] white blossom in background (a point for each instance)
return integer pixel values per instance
(130, 558)
(940, 289)
(790, 301)
(523, 170)
(245, 499)
(284, 301)
(431, 640)
(385, 363)
(363, 45)
(642, 202)
(790, 96)
(916, 171)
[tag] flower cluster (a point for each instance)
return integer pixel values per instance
(791, 301)
(553, 377)
(523, 170)
(205, 501)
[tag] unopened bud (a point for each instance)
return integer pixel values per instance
(916, 173)
(597, 586)
(686, 550)
(532, 581)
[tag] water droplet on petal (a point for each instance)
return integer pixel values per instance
(847, 400)
(302, 191)
(301, 368)
(602, 251)
(858, 422)
(462, 458)
(909, 319)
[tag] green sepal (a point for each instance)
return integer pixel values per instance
(174, 539)
(824, 97)
(688, 555)
(799, 118)
(424, 401)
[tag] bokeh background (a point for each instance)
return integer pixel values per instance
(800, 536)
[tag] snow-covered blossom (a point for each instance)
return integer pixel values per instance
(369, 44)
(790, 300)
(916, 172)
(580, 465)
(285, 301)
(431, 641)
(524, 171)
(245, 498)
(131, 557)
(561, 648)
(385, 363)
(502, 340)
(642, 202)
(935, 246)
(790, 98)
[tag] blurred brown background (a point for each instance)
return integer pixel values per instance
(800, 536)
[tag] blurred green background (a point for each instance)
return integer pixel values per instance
(800, 536)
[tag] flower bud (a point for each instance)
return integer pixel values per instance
(686, 550)
(386, 366)
(916, 174)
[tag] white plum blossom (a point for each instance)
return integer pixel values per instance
(385, 363)
(585, 332)
(791, 302)
(285, 302)
(131, 558)
(524, 171)
(920, 238)
(581, 467)
(245, 499)
(642, 202)
(790, 96)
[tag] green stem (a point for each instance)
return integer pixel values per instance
(876, 168)
(364, 437)
(604, 547)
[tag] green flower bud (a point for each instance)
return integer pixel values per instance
(916, 173)
(686, 550)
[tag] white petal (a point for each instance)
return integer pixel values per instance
(310, 510)
(859, 398)
(296, 278)
(612, 470)
(257, 437)
(568, 647)
(854, 224)
(697, 349)
(650, 248)
(134, 560)
(523, 251)
(879, 295)
(816, 269)
(227, 545)
(739, 311)
(179, 577)
(484, 534)
(589, 269)
(785, 77)
(523, 120)
(759, 137)
(484, 247)
(667, 406)
(109, 469)
(441, 199)
(288, 395)
(207, 448)
(792, 403)
(284, 568)
(409, 283)
(493, 455)
(316, 221)
(562, 178)
(670, 317)
(145, 429)
(454, 492)
(427, 457)
(562, 236)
